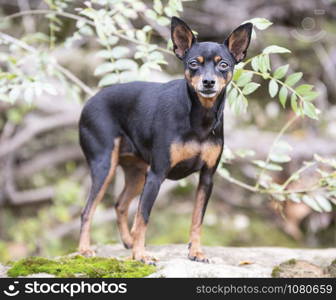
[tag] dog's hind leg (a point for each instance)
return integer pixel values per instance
(135, 173)
(103, 167)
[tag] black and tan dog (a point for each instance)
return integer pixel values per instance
(160, 130)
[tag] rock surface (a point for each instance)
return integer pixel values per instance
(224, 261)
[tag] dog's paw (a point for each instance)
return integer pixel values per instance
(146, 259)
(198, 256)
(128, 242)
(127, 245)
(87, 252)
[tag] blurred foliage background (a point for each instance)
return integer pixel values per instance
(55, 54)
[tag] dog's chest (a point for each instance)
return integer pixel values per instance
(207, 152)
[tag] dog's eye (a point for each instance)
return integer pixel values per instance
(193, 64)
(222, 65)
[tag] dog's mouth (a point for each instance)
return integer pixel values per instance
(208, 93)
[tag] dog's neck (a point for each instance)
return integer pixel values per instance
(205, 119)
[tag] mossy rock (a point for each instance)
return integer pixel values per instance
(298, 269)
(331, 270)
(79, 266)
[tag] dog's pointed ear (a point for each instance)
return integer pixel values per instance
(182, 37)
(239, 40)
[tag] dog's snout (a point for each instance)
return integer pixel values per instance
(208, 83)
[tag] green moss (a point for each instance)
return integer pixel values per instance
(276, 272)
(291, 261)
(331, 270)
(79, 266)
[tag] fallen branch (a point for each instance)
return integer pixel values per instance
(48, 159)
(39, 126)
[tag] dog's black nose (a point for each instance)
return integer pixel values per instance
(208, 83)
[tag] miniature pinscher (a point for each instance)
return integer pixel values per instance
(156, 131)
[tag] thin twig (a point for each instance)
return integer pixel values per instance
(78, 18)
(60, 68)
(276, 140)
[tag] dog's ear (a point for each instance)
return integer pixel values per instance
(239, 40)
(182, 37)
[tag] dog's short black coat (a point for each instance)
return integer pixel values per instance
(160, 130)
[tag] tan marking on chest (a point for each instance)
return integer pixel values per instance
(183, 151)
(208, 152)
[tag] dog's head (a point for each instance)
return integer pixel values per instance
(208, 65)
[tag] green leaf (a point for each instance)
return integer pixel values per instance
(158, 6)
(260, 23)
(283, 146)
(309, 96)
(303, 89)
(104, 68)
(263, 64)
(233, 94)
(279, 158)
(273, 88)
(275, 49)
(283, 96)
(227, 155)
(104, 54)
(169, 11)
(309, 110)
(295, 197)
(281, 72)
(293, 78)
(294, 102)
(108, 79)
(237, 73)
(255, 63)
(119, 51)
(150, 14)
(245, 152)
(268, 166)
(223, 172)
(323, 203)
(163, 21)
(250, 88)
(311, 203)
(140, 35)
(126, 64)
(240, 104)
(244, 79)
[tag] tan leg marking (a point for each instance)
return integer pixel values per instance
(84, 240)
(195, 251)
(135, 173)
(139, 233)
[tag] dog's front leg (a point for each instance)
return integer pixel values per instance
(148, 196)
(202, 196)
